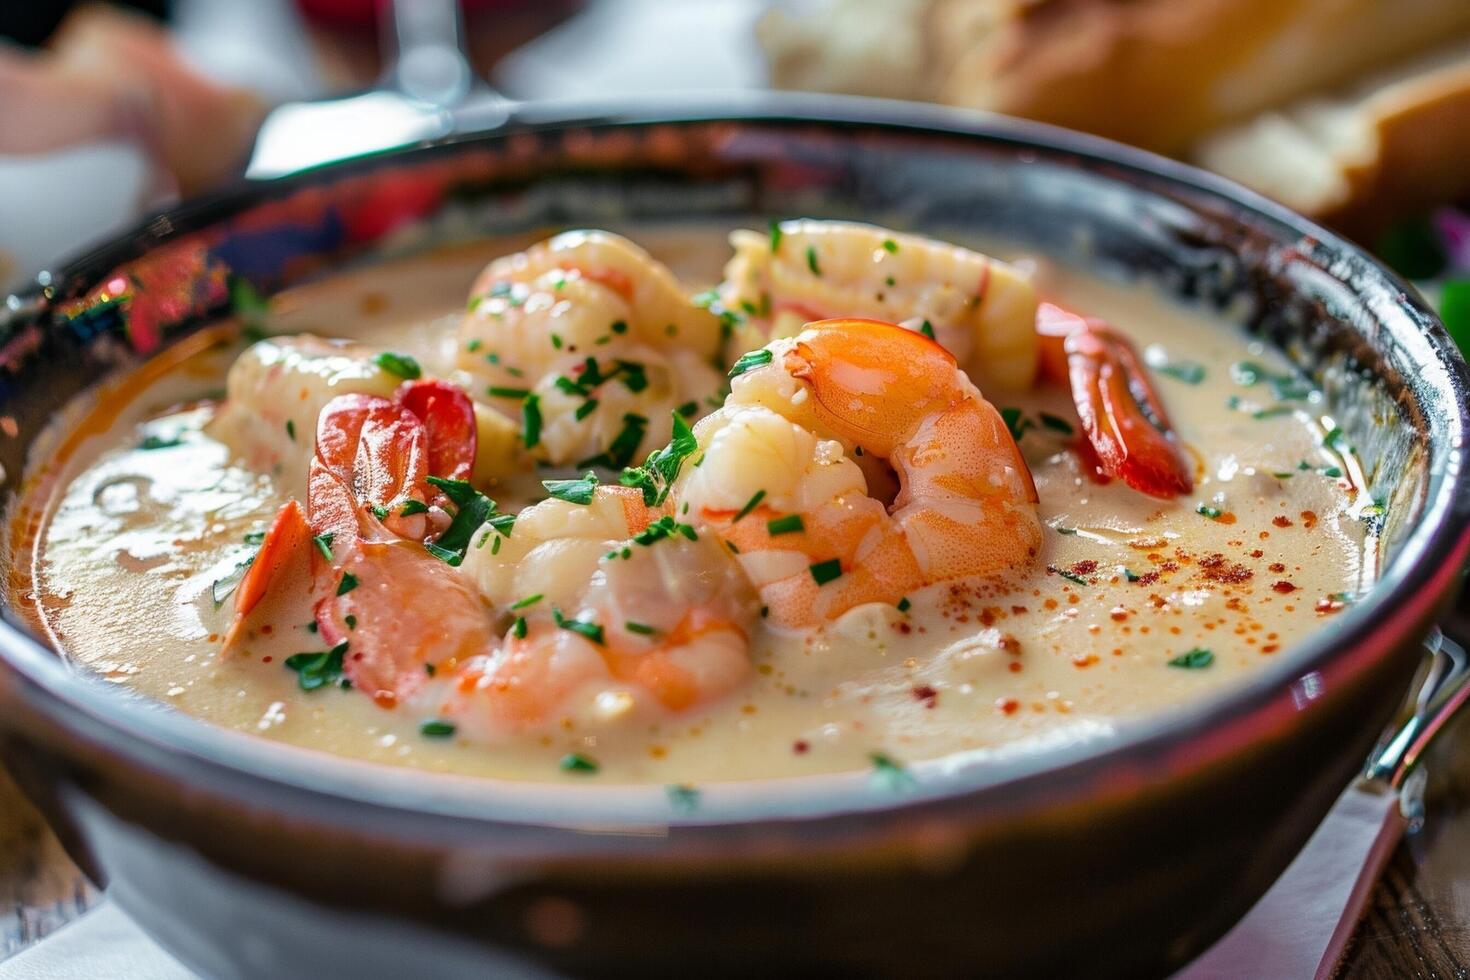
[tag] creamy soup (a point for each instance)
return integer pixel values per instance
(690, 627)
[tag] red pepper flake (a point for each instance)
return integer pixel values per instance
(1270, 648)
(1277, 567)
(926, 695)
(1007, 705)
(1309, 519)
(266, 659)
(1217, 569)
(1084, 659)
(1328, 604)
(1086, 567)
(800, 746)
(1228, 517)
(1284, 587)
(1257, 553)
(1015, 666)
(1281, 520)
(1119, 613)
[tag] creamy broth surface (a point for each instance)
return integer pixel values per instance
(149, 510)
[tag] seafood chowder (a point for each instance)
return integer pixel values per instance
(868, 499)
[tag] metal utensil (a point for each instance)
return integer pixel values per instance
(1323, 892)
(427, 92)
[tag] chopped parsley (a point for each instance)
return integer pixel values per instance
(1016, 421)
(323, 544)
(474, 344)
(890, 246)
(729, 319)
(518, 628)
(529, 600)
(775, 236)
(411, 507)
(750, 360)
(633, 376)
(927, 329)
(318, 669)
(1194, 659)
(642, 629)
(625, 444)
(1072, 577)
(501, 391)
(573, 491)
(591, 631)
(1285, 387)
(826, 571)
(664, 527)
(619, 326)
(1336, 439)
(249, 306)
(348, 583)
(472, 509)
(657, 474)
(255, 537)
(437, 729)
(1190, 372)
(531, 420)
(811, 260)
(577, 762)
(688, 409)
(750, 505)
(585, 409)
(291, 429)
(1056, 423)
(904, 605)
(1207, 511)
(400, 364)
(787, 524)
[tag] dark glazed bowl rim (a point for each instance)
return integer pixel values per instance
(265, 773)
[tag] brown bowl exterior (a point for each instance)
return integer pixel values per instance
(1119, 859)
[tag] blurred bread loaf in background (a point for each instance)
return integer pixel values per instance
(1351, 110)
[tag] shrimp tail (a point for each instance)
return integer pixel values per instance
(1121, 413)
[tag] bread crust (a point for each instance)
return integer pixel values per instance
(1161, 73)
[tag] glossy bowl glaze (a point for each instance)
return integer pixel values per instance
(1121, 857)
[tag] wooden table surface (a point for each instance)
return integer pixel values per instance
(1417, 925)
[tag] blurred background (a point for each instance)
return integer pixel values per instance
(1356, 112)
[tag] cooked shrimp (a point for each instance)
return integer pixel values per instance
(981, 309)
(588, 343)
(627, 616)
(276, 389)
(778, 477)
(617, 618)
(1121, 414)
(359, 547)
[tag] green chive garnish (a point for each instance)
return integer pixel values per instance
(400, 364)
(750, 505)
(825, 571)
(789, 524)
